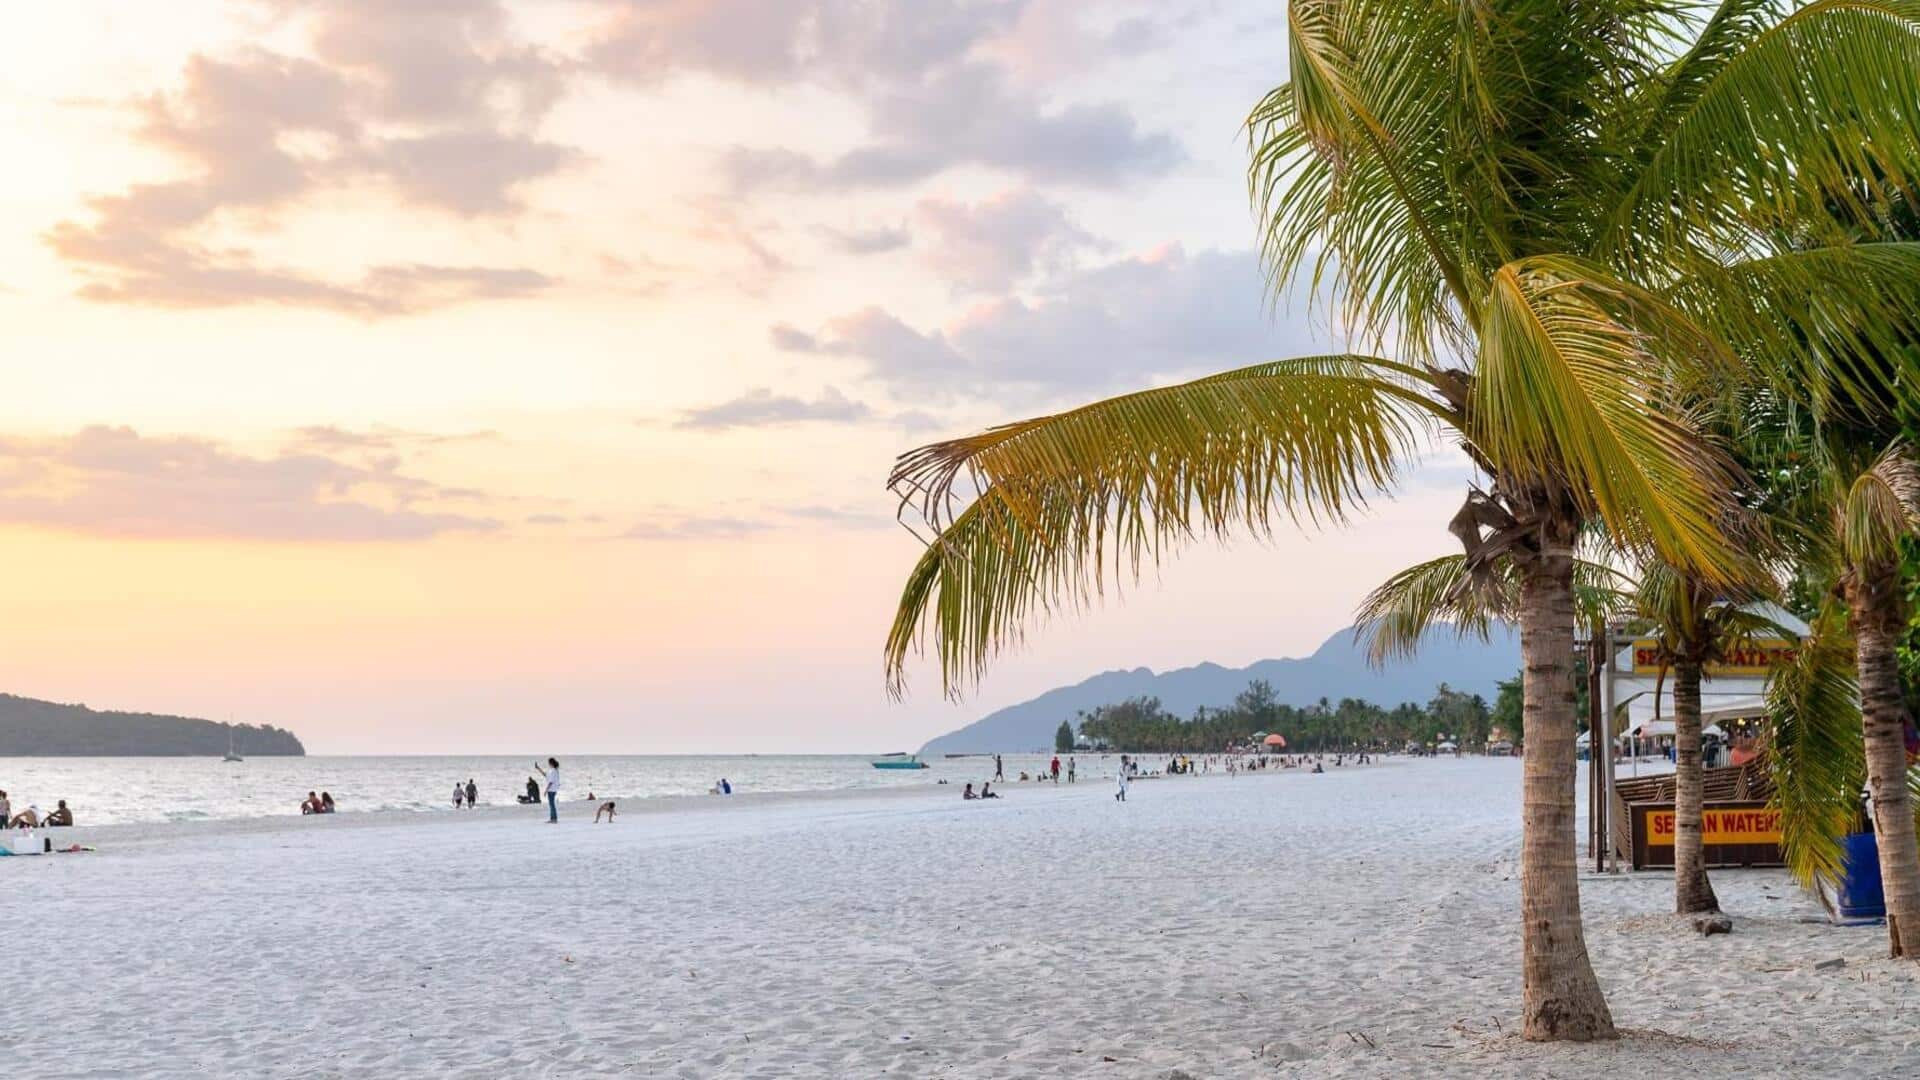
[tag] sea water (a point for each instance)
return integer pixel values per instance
(114, 790)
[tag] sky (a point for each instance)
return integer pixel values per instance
(490, 376)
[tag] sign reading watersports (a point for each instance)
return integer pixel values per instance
(1719, 826)
(1753, 660)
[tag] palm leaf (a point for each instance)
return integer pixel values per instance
(1881, 506)
(1066, 501)
(1816, 754)
(1831, 326)
(1447, 592)
(1776, 132)
(1573, 387)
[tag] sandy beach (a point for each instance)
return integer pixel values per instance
(1358, 923)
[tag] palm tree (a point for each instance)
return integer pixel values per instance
(1871, 497)
(1559, 218)
(1691, 622)
(1695, 623)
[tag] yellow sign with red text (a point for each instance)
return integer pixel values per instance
(1755, 660)
(1756, 826)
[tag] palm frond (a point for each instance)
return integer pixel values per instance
(1067, 502)
(1778, 134)
(1881, 507)
(1830, 326)
(1447, 593)
(1816, 753)
(1574, 386)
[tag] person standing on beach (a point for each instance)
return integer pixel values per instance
(473, 793)
(998, 772)
(1055, 768)
(459, 794)
(1069, 770)
(552, 773)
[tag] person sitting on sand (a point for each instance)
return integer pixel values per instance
(533, 791)
(326, 802)
(26, 819)
(986, 791)
(61, 816)
(604, 808)
(968, 794)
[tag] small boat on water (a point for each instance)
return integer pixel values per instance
(899, 761)
(232, 754)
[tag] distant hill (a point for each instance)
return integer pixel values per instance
(1338, 669)
(30, 728)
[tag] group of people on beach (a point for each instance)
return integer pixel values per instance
(318, 804)
(31, 817)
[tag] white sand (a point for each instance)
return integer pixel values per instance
(1360, 923)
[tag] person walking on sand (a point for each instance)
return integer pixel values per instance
(1120, 783)
(999, 773)
(1055, 768)
(473, 793)
(552, 773)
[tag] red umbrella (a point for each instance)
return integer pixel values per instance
(1276, 740)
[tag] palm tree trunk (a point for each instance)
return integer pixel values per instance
(1692, 892)
(1878, 614)
(1562, 998)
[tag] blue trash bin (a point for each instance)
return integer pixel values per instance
(1859, 895)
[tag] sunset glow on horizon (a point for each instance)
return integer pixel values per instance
(481, 376)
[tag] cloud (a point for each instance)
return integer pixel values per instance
(874, 241)
(991, 245)
(547, 519)
(839, 43)
(839, 516)
(113, 481)
(881, 338)
(715, 527)
(465, 172)
(1120, 325)
(434, 103)
(921, 67)
(331, 438)
(761, 407)
(970, 114)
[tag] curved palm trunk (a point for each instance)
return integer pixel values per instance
(1562, 998)
(1692, 892)
(1878, 613)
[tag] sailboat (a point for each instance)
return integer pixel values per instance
(232, 755)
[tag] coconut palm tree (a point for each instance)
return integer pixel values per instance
(1695, 623)
(1559, 220)
(1691, 622)
(1871, 497)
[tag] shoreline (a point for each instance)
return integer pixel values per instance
(146, 832)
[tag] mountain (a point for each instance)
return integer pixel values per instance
(1338, 669)
(30, 728)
